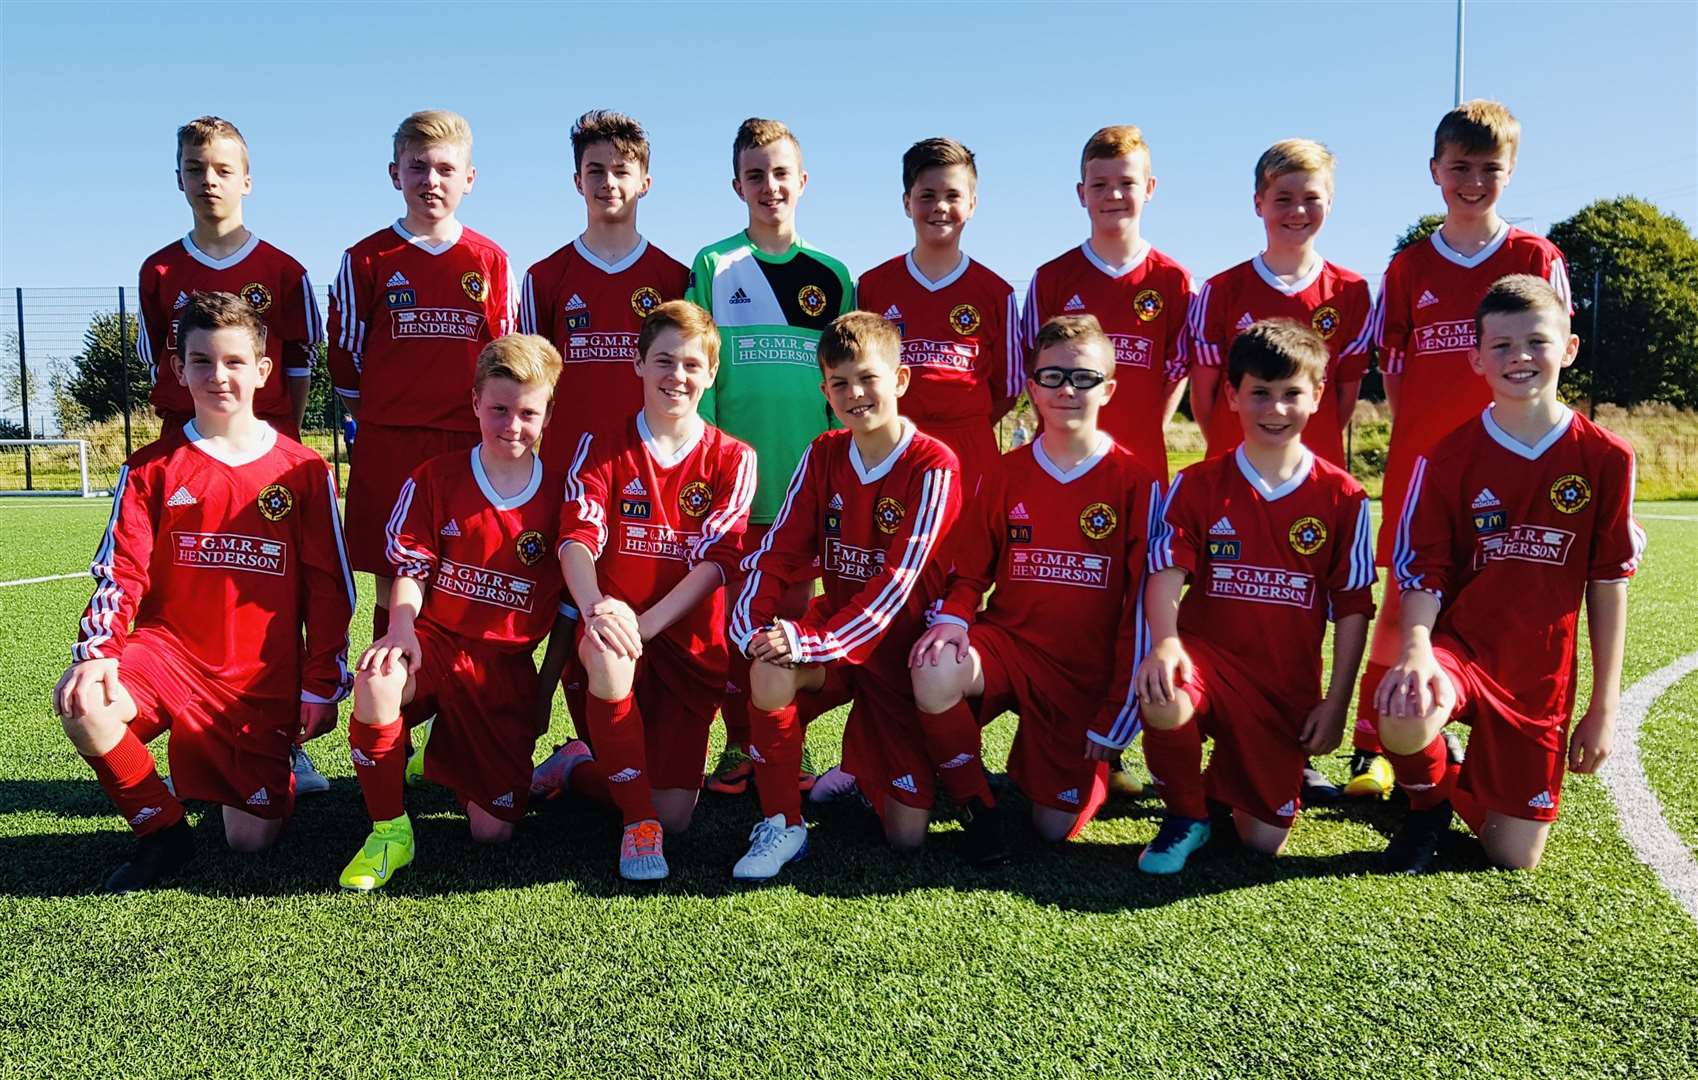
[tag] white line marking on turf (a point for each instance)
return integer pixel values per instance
(39, 580)
(1642, 820)
(1665, 517)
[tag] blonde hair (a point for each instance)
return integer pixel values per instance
(1292, 156)
(686, 318)
(1516, 293)
(757, 132)
(1478, 127)
(857, 334)
(624, 134)
(527, 359)
(203, 129)
(219, 311)
(1076, 330)
(429, 127)
(1114, 141)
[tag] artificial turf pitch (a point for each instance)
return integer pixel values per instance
(535, 959)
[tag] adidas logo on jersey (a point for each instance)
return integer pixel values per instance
(905, 782)
(576, 303)
(396, 280)
(1288, 810)
(893, 313)
(452, 528)
(1075, 304)
(957, 761)
(1222, 527)
(1427, 299)
(1485, 499)
(1019, 513)
(740, 297)
(259, 798)
(1542, 801)
(624, 776)
(361, 758)
(1244, 322)
(635, 487)
(504, 801)
(182, 300)
(836, 502)
(146, 813)
(181, 497)
(1070, 796)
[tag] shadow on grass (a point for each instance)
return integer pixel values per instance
(574, 846)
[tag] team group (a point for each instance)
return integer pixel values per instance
(797, 501)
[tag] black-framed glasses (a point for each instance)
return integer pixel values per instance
(1053, 378)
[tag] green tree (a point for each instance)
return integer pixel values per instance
(321, 399)
(93, 390)
(1425, 226)
(1644, 263)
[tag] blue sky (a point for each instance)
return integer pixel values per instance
(1607, 95)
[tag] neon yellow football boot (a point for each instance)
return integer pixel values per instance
(1370, 777)
(415, 760)
(386, 850)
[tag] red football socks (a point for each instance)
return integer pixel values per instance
(379, 753)
(952, 742)
(1426, 776)
(1366, 734)
(1175, 759)
(127, 775)
(619, 773)
(775, 744)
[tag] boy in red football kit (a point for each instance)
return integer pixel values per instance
(1510, 520)
(475, 592)
(1139, 295)
(223, 547)
(1424, 324)
(1059, 529)
(412, 305)
(864, 512)
(220, 255)
(1275, 542)
(650, 531)
(959, 324)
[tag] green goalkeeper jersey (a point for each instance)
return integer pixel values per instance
(770, 310)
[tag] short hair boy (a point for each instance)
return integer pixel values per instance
(223, 547)
(959, 324)
(1139, 295)
(412, 306)
(1510, 521)
(1059, 530)
(1424, 324)
(220, 254)
(1274, 542)
(475, 592)
(864, 512)
(590, 297)
(649, 534)
(771, 293)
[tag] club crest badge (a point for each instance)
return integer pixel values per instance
(964, 319)
(1571, 493)
(275, 502)
(474, 284)
(644, 301)
(257, 295)
(696, 499)
(1097, 520)
(1307, 535)
(1325, 322)
(888, 514)
(531, 546)
(812, 299)
(1147, 304)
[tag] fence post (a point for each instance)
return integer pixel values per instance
(23, 392)
(1597, 288)
(124, 366)
(336, 438)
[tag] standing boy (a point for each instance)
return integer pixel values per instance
(864, 511)
(412, 305)
(475, 592)
(1274, 542)
(1510, 521)
(223, 547)
(220, 255)
(959, 324)
(1058, 529)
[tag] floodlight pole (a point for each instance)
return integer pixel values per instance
(23, 391)
(1461, 7)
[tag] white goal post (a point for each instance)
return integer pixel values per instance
(83, 489)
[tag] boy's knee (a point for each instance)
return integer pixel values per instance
(905, 826)
(937, 689)
(248, 834)
(1404, 735)
(1167, 717)
(771, 686)
(491, 830)
(1052, 825)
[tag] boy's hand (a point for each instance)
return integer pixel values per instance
(1096, 751)
(1164, 670)
(85, 685)
(398, 650)
(612, 627)
(932, 644)
(317, 717)
(1323, 730)
(771, 645)
(1589, 747)
(1415, 686)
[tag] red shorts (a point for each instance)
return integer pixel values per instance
(974, 443)
(791, 605)
(678, 695)
(382, 459)
(1047, 761)
(225, 746)
(1257, 762)
(484, 735)
(883, 746)
(1514, 769)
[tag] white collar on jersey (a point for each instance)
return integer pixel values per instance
(1277, 285)
(870, 476)
(1132, 264)
(941, 283)
(669, 461)
(1272, 494)
(1067, 476)
(1516, 446)
(595, 260)
(495, 498)
(424, 245)
(227, 261)
(267, 440)
(1470, 261)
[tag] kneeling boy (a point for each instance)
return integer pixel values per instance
(1275, 542)
(223, 545)
(1509, 522)
(475, 591)
(1059, 530)
(864, 511)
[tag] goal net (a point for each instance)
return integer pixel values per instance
(45, 467)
